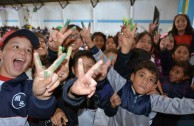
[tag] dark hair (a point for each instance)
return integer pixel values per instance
(186, 66)
(117, 37)
(182, 44)
(82, 53)
(95, 34)
(140, 35)
(72, 25)
(40, 35)
(188, 30)
(149, 65)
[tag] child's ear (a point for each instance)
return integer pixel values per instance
(132, 76)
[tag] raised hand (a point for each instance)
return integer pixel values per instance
(57, 38)
(63, 70)
(156, 38)
(115, 100)
(152, 26)
(59, 118)
(101, 73)
(85, 84)
(46, 80)
(127, 38)
(85, 34)
(164, 42)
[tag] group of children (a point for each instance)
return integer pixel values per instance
(76, 78)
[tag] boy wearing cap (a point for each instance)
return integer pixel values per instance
(20, 97)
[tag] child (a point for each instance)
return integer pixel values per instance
(99, 40)
(21, 97)
(182, 31)
(177, 84)
(41, 50)
(111, 43)
(179, 53)
(136, 105)
(62, 73)
(101, 96)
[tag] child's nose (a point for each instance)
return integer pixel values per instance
(22, 51)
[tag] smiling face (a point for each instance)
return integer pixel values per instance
(176, 74)
(16, 57)
(143, 81)
(181, 54)
(145, 43)
(42, 50)
(74, 40)
(181, 23)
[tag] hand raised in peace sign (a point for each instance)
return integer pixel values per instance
(46, 80)
(85, 84)
(56, 38)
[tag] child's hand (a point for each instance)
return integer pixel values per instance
(156, 38)
(115, 100)
(153, 26)
(127, 38)
(85, 84)
(164, 42)
(59, 118)
(85, 34)
(101, 74)
(57, 38)
(63, 70)
(46, 80)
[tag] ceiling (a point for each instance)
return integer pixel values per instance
(21, 2)
(17, 4)
(14, 2)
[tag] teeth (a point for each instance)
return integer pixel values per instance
(20, 59)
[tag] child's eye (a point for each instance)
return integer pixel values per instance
(152, 81)
(16, 47)
(29, 50)
(141, 75)
(142, 41)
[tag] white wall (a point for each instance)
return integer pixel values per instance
(106, 16)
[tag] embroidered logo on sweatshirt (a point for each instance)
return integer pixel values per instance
(18, 100)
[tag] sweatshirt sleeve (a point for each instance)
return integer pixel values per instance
(41, 108)
(97, 54)
(73, 102)
(115, 79)
(109, 111)
(174, 106)
(122, 64)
